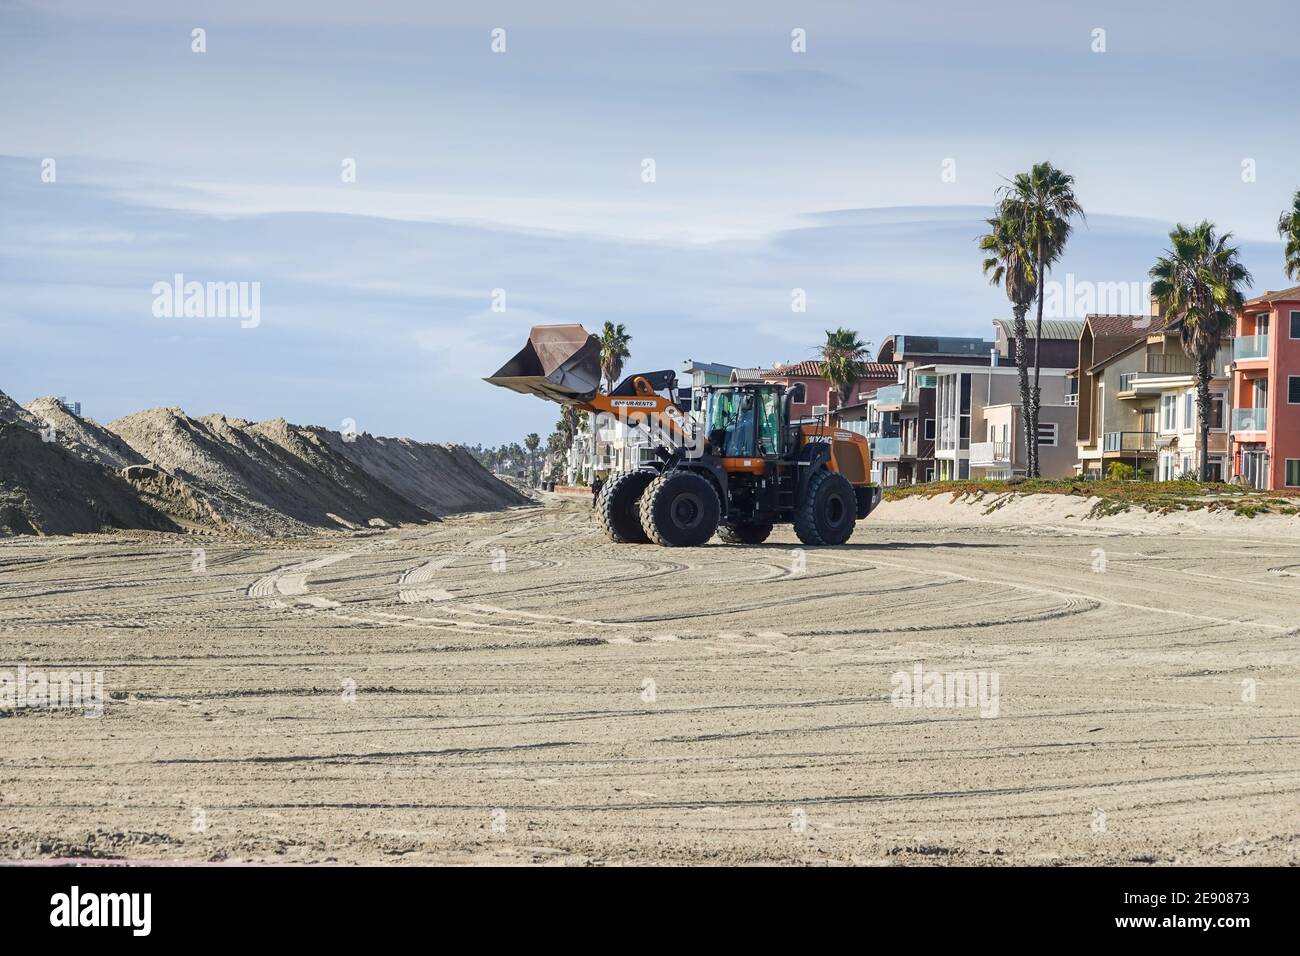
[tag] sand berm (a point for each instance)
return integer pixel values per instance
(161, 469)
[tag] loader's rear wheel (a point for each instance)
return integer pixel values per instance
(618, 507)
(744, 532)
(680, 509)
(828, 512)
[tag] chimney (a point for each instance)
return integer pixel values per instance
(993, 357)
(1156, 311)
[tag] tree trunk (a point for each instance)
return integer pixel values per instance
(1035, 398)
(1203, 408)
(1022, 369)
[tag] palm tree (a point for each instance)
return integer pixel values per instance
(1288, 227)
(1009, 264)
(1198, 284)
(532, 441)
(613, 350)
(1041, 202)
(844, 356)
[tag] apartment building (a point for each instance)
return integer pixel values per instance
(979, 423)
(901, 419)
(1102, 338)
(1136, 401)
(1265, 389)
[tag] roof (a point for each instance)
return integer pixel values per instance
(1128, 345)
(712, 368)
(1122, 331)
(1284, 295)
(750, 374)
(1052, 328)
(911, 346)
(813, 368)
(1119, 326)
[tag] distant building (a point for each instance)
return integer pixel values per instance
(1059, 348)
(702, 375)
(1265, 389)
(811, 390)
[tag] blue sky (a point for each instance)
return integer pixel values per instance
(522, 171)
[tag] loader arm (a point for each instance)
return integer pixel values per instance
(561, 364)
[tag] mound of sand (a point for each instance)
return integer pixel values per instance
(84, 435)
(268, 478)
(442, 479)
(47, 489)
(162, 468)
(11, 411)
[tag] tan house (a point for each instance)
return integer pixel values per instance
(1136, 400)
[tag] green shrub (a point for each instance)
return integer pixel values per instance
(1119, 471)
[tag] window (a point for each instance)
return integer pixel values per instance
(1168, 413)
(1261, 323)
(1293, 472)
(798, 393)
(1216, 412)
(929, 429)
(1295, 325)
(1189, 411)
(1293, 389)
(1047, 434)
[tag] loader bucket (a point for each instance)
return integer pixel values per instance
(560, 363)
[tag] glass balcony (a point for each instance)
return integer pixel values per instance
(1129, 441)
(889, 395)
(990, 452)
(885, 448)
(1249, 419)
(1250, 347)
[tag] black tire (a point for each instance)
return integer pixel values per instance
(828, 511)
(744, 532)
(618, 507)
(680, 509)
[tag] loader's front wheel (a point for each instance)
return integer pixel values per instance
(618, 507)
(744, 532)
(828, 512)
(680, 509)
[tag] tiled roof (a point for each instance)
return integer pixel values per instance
(1120, 326)
(1282, 296)
(750, 374)
(812, 368)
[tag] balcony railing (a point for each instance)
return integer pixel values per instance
(885, 448)
(990, 452)
(1249, 419)
(889, 395)
(1128, 441)
(1072, 398)
(1168, 363)
(1250, 347)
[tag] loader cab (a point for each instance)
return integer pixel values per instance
(746, 421)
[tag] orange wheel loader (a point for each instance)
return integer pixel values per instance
(744, 469)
